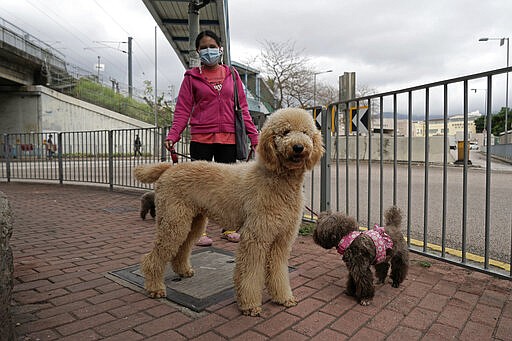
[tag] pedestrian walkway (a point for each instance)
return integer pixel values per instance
(68, 238)
(479, 159)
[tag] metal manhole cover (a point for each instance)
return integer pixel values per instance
(211, 283)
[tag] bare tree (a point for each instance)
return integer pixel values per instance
(287, 71)
(300, 89)
(326, 94)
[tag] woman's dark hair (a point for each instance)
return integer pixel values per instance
(210, 34)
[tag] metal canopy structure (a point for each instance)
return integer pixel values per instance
(182, 20)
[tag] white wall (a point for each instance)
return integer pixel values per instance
(418, 148)
(40, 109)
(32, 114)
(19, 112)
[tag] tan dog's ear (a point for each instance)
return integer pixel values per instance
(267, 150)
(318, 150)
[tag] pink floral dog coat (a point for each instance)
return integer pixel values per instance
(378, 234)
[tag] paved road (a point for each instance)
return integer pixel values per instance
(500, 224)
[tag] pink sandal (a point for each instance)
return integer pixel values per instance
(204, 240)
(231, 236)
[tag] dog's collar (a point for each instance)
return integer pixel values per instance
(379, 236)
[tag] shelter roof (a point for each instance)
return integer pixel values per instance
(172, 18)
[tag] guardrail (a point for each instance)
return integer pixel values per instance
(102, 157)
(16, 37)
(441, 221)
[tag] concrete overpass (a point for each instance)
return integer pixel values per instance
(25, 60)
(32, 78)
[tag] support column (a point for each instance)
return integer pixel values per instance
(130, 81)
(194, 29)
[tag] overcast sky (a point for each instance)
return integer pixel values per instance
(389, 44)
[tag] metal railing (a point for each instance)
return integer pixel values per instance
(16, 37)
(453, 213)
(102, 157)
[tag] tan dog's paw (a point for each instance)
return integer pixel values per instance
(186, 273)
(290, 302)
(157, 293)
(155, 290)
(256, 311)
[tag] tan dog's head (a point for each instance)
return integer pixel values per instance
(290, 140)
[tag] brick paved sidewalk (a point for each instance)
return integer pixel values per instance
(66, 239)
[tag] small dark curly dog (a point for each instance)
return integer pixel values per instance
(147, 204)
(379, 247)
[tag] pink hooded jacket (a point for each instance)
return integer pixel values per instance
(208, 110)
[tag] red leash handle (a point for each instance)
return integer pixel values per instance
(174, 155)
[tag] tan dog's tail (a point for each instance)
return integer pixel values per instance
(393, 216)
(150, 173)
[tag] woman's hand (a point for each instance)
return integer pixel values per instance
(252, 153)
(168, 144)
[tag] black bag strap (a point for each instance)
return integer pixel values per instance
(235, 88)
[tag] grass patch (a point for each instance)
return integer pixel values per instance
(92, 92)
(306, 228)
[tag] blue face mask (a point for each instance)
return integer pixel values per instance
(210, 56)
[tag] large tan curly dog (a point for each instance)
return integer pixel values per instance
(263, 198)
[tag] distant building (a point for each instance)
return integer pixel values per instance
(260, 96)
(402, 126)
(455, 126)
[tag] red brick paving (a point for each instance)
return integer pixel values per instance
(65, 242)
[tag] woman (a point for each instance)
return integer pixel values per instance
(206, 102)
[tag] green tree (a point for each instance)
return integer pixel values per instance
(480, 124)
(164, 108)
(497, 122)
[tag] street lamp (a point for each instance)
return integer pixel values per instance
(502, 41)
(314, 84)
(485, 110)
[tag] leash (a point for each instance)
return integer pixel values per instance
(311, 211)
(250, 155)
(175, 154)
